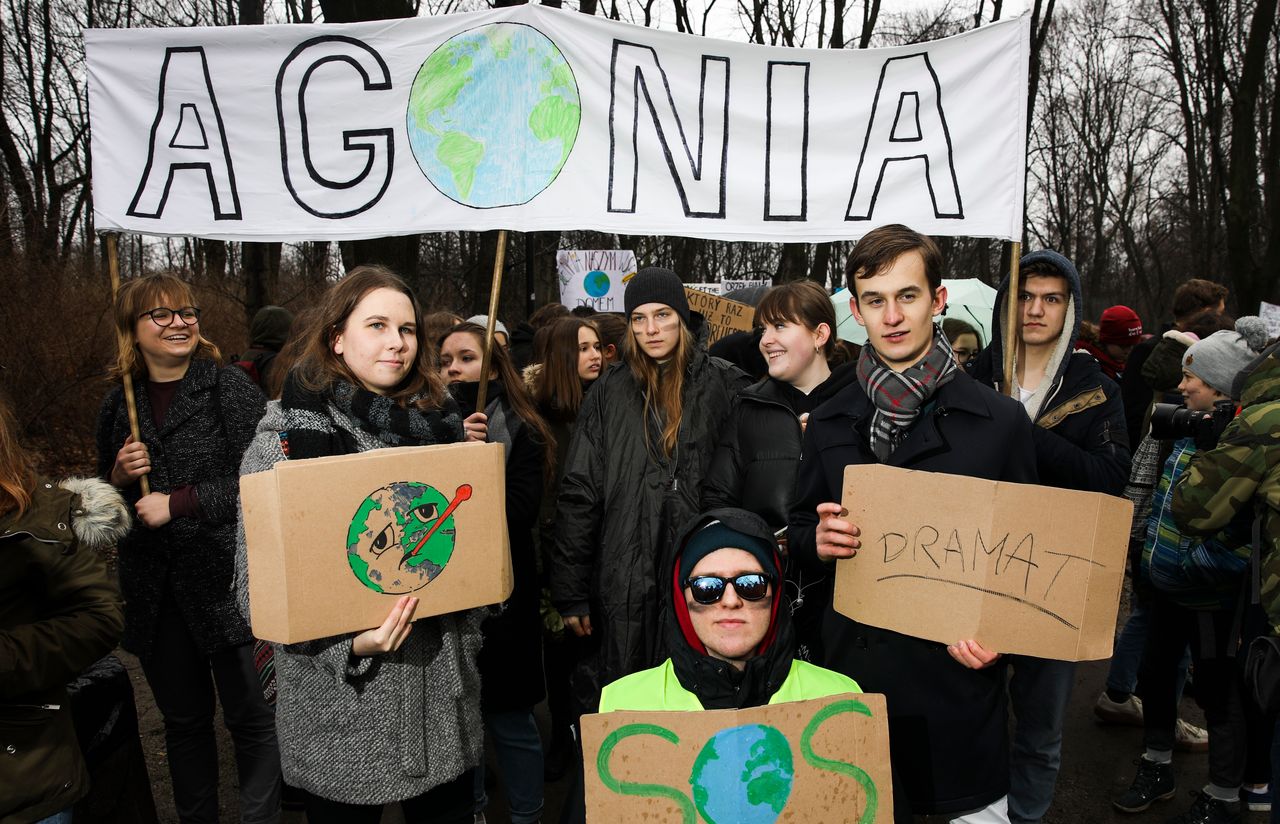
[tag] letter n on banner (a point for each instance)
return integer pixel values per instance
(187, 134)
(636, 74)
(907, 126)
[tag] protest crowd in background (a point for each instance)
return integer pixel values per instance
(635, 460)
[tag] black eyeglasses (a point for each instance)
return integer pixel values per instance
(163, 315)
(750, 586)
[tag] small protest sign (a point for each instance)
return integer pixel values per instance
(709, 288)
(333, 542)
(1270, 314)
(821, 760)
(732, 284)
(595, 277)
(1020, 568)
(723, 316)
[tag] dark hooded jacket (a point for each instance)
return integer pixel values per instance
(947, 724)
(1080, 434)
(620, 504)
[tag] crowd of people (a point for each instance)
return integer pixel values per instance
(674, 518)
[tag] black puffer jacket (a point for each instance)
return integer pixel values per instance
(208, 427)
(755, 465)
(620, 504)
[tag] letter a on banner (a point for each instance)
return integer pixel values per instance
(908, 127)
(187, 134)
(636, 75)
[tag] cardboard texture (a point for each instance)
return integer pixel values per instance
(823, 760)
(332, 542)
(723, 316)
(1020, 568)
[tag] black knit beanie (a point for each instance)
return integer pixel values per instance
(657, 285)
(733, 528)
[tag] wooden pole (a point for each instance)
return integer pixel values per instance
(495, 289)
(130, 402)
(1012, 309)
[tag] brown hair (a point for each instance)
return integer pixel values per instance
(558, 387)
(880, 247)
(318, 367)
(17, 468)
(548, 314)
(955, 327)
(808, 304)
(1208, 321)
(661, 393)
(141, 295)
(1196, 294)
(517, 395)
(612, 328)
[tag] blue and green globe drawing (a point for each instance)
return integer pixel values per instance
(743, 775)
(493, 114)
(596, 283)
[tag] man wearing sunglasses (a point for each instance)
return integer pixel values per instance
(731, 641)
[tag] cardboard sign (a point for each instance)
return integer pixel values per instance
(822, 760)
(723, 315)
(333, 542)
(1020, 568)
(595, 277)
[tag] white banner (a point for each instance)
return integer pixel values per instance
(534, 118)
(595, 277)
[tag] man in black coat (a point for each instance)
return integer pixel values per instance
(1080, 444)
(912, 407)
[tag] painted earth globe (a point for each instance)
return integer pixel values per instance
(743, 775)
(397, 542)
(596, 283)
(493, 114)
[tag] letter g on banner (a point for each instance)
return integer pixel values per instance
(315, 191)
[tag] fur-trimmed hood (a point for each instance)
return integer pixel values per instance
(89, 510)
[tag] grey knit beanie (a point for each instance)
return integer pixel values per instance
(657, 285)
(1217, 359)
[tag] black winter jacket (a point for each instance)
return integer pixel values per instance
(755, 465)
(947, 724)
(205, 433)
(620, 504)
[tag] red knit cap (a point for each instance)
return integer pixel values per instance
(1120, 325)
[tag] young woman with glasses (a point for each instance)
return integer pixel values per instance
(759, 447)
(390, 714)
(176, 564)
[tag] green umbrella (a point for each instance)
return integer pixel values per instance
(969, 299)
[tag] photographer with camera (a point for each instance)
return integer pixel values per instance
(1196, 588)
(1241, 475)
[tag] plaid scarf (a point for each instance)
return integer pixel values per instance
(898, 396)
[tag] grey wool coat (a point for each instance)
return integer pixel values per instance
(207, 428)
(376, 729)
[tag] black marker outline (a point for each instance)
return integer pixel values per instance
(897, 120)
(696, 167)
(215, 200)
(1055, 616)
(946, 132)
(768, 145)
(182, 118)
(348, 143)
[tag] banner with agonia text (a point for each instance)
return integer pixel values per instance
(532, 118)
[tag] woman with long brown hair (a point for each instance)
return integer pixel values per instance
(511, 672)
(632, 477)
(363, 381)
(59, 613)
(176, 565)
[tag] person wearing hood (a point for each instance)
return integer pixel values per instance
(632, 476)
(1080, 443)
(912, 407)
(759, 453)
(268, 332)
(730, 640)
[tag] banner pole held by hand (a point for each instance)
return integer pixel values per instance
(1012, 310)
(130, 402)
(495, 288)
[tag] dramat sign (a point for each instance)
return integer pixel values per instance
(533, 118)
(1021, 568)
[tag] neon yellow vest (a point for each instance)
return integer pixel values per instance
(658, 688)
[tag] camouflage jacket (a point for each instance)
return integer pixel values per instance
(1242, 471)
